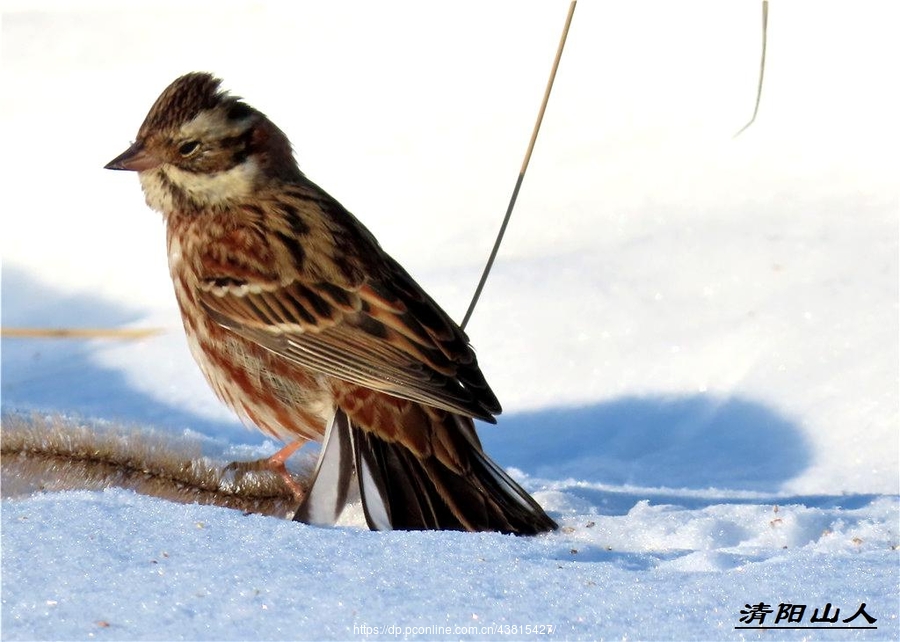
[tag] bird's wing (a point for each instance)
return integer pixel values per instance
(385, 334)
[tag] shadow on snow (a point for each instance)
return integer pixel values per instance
(692, 442)
(60, 375)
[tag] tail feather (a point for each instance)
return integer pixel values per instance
(327, 495)
(403, 493)
(458, 488)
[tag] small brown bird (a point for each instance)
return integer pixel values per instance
(305, 327)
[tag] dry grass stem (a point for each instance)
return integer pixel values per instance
(125, 334)
(762, 66)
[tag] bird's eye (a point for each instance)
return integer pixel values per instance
(189, 147)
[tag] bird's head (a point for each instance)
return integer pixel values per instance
(201, 146)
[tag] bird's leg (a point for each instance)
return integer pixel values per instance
(275, 465)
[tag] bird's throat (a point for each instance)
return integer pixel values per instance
(168, 188)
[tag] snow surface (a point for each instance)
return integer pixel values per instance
(695, 338)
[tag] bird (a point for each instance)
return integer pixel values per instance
(306, 328)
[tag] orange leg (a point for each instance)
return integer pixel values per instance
(285, 453)
(274, 464)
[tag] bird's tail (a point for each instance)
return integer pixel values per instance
(443, 482)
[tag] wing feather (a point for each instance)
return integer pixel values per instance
(342, 306)
(362, 336)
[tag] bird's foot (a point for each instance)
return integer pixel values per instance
(275, 465)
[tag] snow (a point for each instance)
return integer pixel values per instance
(695, 338)
(152, 572)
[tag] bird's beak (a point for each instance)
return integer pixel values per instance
(136, 159)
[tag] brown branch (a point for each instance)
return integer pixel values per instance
(40, 454)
